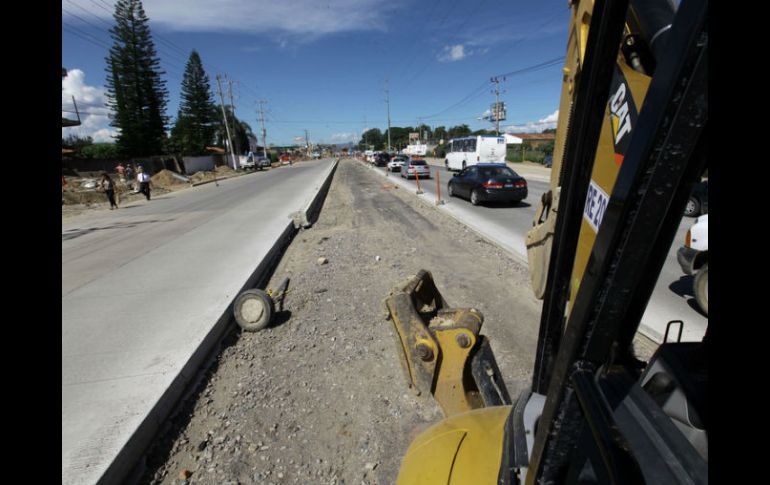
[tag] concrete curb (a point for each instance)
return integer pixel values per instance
(126, 464)
(306, 217)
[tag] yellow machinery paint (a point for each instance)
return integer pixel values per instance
(617, 122)
(608, 159)
(465, 449)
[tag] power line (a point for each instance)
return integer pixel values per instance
(209, 66)
(85, 36)
(537, 67)
(71, 29)
(109, 35)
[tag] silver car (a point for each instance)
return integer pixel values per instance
(414, 168)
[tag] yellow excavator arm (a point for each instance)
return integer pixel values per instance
(630, 143)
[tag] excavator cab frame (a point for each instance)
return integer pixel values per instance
(595, 413)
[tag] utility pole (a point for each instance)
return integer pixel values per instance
(387, 100)
(262, 122)
(236, 162)
(227, 126)
(307, 144)
(497, 92)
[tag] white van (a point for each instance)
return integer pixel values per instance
(470, 150)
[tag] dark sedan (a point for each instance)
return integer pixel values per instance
(381, 159)
(488, 182)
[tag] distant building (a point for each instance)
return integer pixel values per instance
(534, 139)
(512, 140)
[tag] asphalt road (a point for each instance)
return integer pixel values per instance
(672, 298)
(142, 288)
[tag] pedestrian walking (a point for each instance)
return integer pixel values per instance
(121, 170)
(144, 181)
(108, 187)
(130, 176)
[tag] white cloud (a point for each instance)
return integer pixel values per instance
(91, 103)
(535, 126)
(345, 137)
(452, 53)
(309, 18)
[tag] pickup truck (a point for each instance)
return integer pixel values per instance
(256, 162)
(693, 257)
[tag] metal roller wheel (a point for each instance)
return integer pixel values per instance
(253, 310)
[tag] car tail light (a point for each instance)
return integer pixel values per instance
(687, 239)
(491, 184)
(520, 184)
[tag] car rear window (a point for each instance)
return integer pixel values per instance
(418, 162)
(496, 172)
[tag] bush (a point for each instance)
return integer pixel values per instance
(100, 151)
(514, 153)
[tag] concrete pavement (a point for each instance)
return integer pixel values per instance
(146, 292)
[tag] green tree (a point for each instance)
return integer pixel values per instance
(440, 133)
(239, 132)
(100, 151)
(76, 142)
(196, 121)
(135, 91)
(241, 136)
(458, 131)
(425, 132)
(399, 137)
(372, 137)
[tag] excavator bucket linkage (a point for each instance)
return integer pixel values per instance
(440, 348)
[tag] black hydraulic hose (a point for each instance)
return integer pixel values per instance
(655, 18)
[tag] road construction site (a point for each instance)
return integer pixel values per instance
(319, 396)
(161, 386)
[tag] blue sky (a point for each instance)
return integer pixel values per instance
(323, 65)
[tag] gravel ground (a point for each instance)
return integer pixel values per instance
(319, 397)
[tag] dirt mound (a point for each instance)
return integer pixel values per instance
(224, 169)
(71, 197)
(199, 177)
(166, 178)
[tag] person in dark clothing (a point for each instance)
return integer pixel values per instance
(144, 181)
(130, 176)
(108, 187)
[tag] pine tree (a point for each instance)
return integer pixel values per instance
(196, 121)
(135, 91)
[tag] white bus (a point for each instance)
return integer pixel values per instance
(470, 150)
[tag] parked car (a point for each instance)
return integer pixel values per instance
(382, 159)
(693, 257)
(397, 162)
(488, 182)
(415, 168)
(316, 155)
(262, 162)
(698, 202)
(249, 164)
